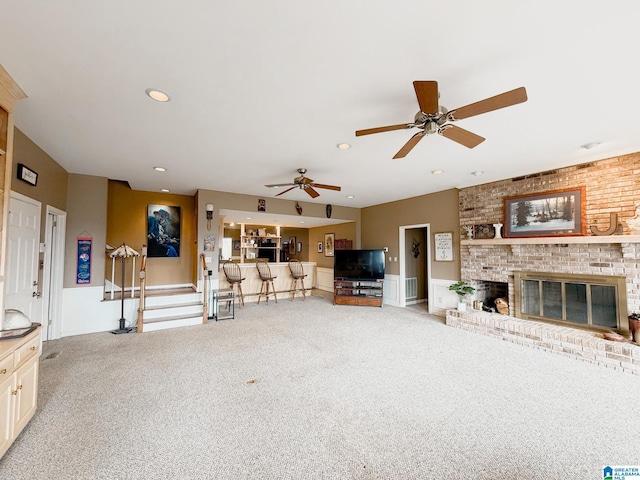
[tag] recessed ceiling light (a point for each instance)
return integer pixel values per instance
(350, 196)
(590, 145)
(160, 169)
(249, 218)
(437, 172)
(157, 95)
(343, 146)
(165, 190)
(477, 173)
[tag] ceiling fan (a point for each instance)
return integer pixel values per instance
(305, 184)
(434, 118)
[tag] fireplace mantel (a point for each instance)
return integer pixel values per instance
(586, 239)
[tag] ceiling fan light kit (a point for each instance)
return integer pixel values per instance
(434, 118)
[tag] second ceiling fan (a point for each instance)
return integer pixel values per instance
(304, 183)
(434, 118)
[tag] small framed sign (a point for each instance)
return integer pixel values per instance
(27, 175)
(444, 246)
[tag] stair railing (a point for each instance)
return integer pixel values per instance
(205, 290)
(143, 286)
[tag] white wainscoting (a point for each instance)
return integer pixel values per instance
(324, 279)
(83, 311)
(442, 298)
(391, 290)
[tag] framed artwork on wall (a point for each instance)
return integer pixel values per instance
(27, 175)
(554, 213)
(163, 231)
(329, 242)
(320, 247)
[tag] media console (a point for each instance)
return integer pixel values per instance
(357, 292)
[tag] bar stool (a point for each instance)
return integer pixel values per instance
(234, 277)
(267, 280)
(297, 278)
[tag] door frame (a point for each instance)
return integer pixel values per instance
(53, 273)
(401, 256)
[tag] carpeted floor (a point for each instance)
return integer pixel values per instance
(309, 390)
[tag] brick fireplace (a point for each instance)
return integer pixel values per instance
(497, 260)
(612, 188)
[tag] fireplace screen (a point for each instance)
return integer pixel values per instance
(595, 301)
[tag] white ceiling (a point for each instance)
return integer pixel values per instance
(261, 88)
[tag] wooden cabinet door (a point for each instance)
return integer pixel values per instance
(7, 387)
(27, 397)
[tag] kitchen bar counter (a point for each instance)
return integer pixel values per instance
(252, 283)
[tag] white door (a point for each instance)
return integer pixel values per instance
(22, 289)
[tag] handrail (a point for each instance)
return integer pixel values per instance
(143, 285)
(205, 289)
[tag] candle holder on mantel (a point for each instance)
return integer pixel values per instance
(498, 229)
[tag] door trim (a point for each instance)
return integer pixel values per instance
(401, 256)
(53, 274)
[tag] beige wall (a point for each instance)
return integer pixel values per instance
(51, 188)
(302, 236)
(86, 216)
(348, 231)
(127, 223)
(381, 223)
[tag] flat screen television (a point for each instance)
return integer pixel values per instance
(359, 264)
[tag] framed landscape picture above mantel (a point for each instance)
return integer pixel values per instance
(554, 213)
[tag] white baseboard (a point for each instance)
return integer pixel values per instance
(441, 298)
(324, 279)
(391, 290)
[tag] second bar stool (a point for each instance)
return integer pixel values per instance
(267, 281)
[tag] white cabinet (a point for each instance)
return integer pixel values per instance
(19, 362)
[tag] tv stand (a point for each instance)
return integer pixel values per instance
(357, 292)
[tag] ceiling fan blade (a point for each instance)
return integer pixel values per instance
(503, 100)
(460, 135)
(284, 191)
(389, 128)
(427, 94)
(328, 187)
(278, 185)
(312, 193)
(306, 180)
(413, 141)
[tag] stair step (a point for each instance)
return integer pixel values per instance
(170, 318)
(173, 305)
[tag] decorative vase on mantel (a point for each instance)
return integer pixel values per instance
(498, 229)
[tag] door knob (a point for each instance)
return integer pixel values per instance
(36, 294)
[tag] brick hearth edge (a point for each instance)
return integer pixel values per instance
(576, 343)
